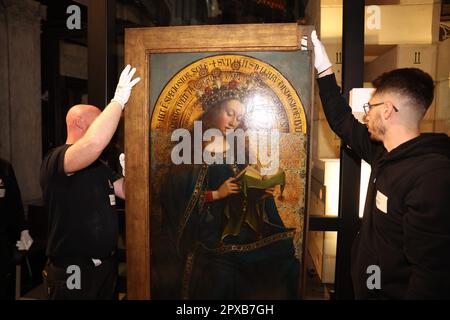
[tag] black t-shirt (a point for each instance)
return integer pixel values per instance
(81, 207)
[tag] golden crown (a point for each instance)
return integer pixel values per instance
(212, 93)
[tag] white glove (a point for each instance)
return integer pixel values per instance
(122, 163)
(25, 241)
(321, 61)
(124, 86)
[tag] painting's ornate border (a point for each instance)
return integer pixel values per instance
(140, 43)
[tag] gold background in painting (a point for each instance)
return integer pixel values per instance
(178, 105)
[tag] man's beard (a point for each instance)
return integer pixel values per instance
(378, 129)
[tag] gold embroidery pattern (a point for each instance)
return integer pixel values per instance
(192, 202)
(187, 276)
(235, 168)
(251, 246)
(201, 201)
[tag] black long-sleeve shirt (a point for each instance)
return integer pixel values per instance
(406, 224)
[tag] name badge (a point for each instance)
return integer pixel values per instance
(2, 192)
(112, 199)
(381, 202)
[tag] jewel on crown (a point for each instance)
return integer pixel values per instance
(213, 92)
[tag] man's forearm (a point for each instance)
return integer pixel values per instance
(119, 188)
(104, 126)
(341, 120)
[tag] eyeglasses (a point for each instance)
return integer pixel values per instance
(368, 106)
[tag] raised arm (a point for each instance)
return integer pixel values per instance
(337, 111)
(88, 148)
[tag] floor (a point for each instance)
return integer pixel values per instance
(315, 289)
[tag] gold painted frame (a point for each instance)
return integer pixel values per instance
(140, 43)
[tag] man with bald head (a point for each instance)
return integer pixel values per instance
(402, 250)
(79, 191)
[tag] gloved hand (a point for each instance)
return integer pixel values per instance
(122, 162)
(25, 241)
(125, 85)
(321, 60)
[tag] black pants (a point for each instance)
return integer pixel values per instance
(80, 279)
(7, 271)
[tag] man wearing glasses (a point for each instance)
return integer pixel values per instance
(406, 225)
